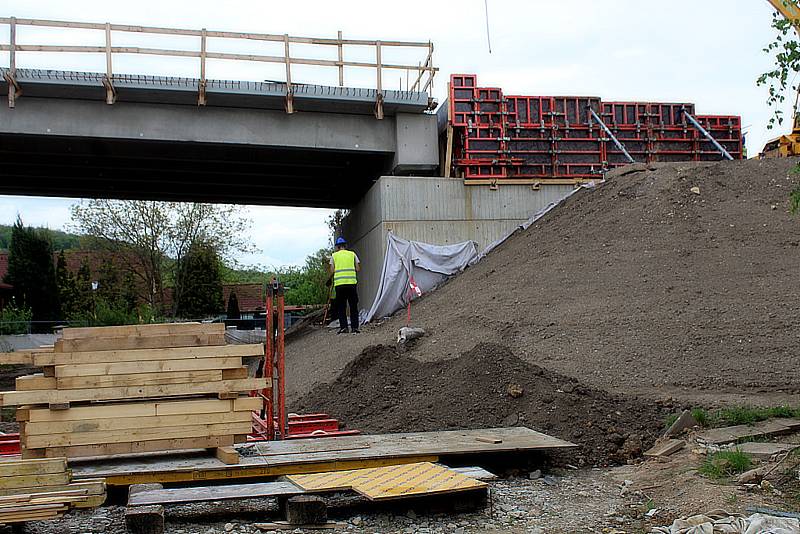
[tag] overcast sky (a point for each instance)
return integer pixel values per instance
(707, 52)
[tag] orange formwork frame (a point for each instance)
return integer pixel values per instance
(274, 364)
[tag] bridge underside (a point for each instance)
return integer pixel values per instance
(201, 172)
(155, 142)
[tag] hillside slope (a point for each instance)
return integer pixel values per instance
(641, 286)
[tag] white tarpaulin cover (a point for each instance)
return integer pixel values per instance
(427, 265)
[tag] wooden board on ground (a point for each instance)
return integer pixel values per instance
(162, 329)
(285, 525)
(665, 448)
(15, 398)
(764, 450)
(141, 342)
(214, 493)
(142, 355)
(730, 434)
(391, 482)
(385, 449)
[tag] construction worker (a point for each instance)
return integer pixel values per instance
(344, 266)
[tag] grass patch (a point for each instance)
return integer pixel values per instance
(724, 464)
(737, 415)
(670, 420)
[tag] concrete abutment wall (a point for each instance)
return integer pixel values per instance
(439, 211)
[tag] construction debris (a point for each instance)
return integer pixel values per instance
(720, 521)
(685, 421)
(665, 448)
(762, 429)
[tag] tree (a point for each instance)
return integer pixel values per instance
(67, 287)
(786, 51)
(152, 238)
(32, 273)
(233, 307)
(335, 222)
(199, 281)
(84, 302)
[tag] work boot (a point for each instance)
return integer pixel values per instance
(342, 331)
(356, 331)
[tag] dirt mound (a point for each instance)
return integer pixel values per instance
(641, 286)
(384, 390)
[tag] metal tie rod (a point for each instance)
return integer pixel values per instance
(703, 131)
(611, 134)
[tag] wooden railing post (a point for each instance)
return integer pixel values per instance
(201, 89)
(341, 59)
(379, 96)
(108, 81)
(11, 77)
(289, 92)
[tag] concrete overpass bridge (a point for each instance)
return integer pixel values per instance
(80, 134)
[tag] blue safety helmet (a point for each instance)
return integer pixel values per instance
(340, 241)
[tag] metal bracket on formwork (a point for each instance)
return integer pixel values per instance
(494, 186)
(14, 90)
(111, 91)
(201, 93)
(610, 134)
(719, 147)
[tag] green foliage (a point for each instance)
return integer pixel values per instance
(84, 302)
(742, 415)
(249, 275)
(701, 416)
(61, 240)
(794, 200)
(670, 419)
(32, 273)
(786, 52)
(199, 283)
(724, 464)
(14, 320)
(306, 285)
(105, 313)
(67, 287)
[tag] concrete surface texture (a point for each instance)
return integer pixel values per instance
(439, 211)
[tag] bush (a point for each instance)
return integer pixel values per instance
(15, 320)
(112, 314)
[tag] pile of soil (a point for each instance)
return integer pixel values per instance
(384, 390)
(674, 280)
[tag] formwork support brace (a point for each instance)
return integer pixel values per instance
(719, 147)
(611, 134)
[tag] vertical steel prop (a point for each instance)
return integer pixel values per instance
(274, 363)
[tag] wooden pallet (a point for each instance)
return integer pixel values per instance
(43, 489)
(96, 394)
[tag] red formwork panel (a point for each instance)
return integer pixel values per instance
(529, 110)
(726, 130)
(625, 113)
(463, 80)
(664, 114)
(572, 110)
(636, 141)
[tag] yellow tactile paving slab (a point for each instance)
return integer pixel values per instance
(390, 482)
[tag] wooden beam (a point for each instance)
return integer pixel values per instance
(28, 481)
(140, 409)
(12, 68)
(111, 449)
(91, 487)
(154, 366)
(34, 383)
(32, 467)
(133, 423)
(139, 342)
(161, 329)
(141, 379)
(41, 359)
(15, 398)
(16, 358)
(341, 59)
(227, 455)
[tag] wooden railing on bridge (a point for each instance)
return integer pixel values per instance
(424, 71)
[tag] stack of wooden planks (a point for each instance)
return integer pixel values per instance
(34, 490)
(130, 389)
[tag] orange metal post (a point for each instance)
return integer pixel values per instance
(280, 363)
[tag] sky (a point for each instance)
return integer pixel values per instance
(708, 52)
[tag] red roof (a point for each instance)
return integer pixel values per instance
(249, 296)
(3, 265)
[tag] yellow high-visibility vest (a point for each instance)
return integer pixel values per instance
(344, 268)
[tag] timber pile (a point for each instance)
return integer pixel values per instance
(131, 389)
(35, 490)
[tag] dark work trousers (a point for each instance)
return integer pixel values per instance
(347, 294)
